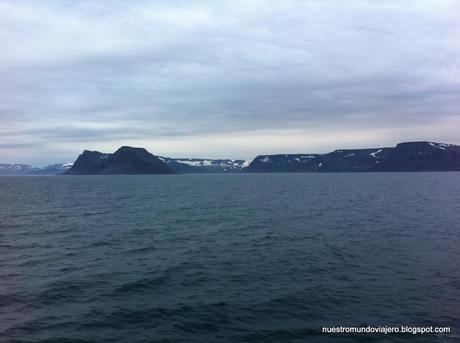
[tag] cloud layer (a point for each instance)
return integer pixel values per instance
(225, 79)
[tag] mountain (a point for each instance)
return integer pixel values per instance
(199, 165)
(405, 157)
(92, 162)
(52, 169)
(126, 160)
(25, 169)
(89, 162)
(15, 169)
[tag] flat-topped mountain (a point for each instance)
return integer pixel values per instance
(405, 157)
(126, 160)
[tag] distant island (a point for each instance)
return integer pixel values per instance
(405, 157)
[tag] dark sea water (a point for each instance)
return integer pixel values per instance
(228, 258)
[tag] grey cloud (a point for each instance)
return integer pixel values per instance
(162, 70)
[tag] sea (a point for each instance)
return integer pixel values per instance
(230, 257)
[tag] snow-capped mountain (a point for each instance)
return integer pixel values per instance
(53, 169)
(26, 169)
(200, 165)
(15, 169)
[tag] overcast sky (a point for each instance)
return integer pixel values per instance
(225, 78)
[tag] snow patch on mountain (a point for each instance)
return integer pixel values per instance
(375, 153)
(441, 146)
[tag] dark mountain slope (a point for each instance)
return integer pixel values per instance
(89, 163)
(126, 160)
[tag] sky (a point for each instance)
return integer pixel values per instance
(225, 79)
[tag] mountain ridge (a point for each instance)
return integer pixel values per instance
(406, 156)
